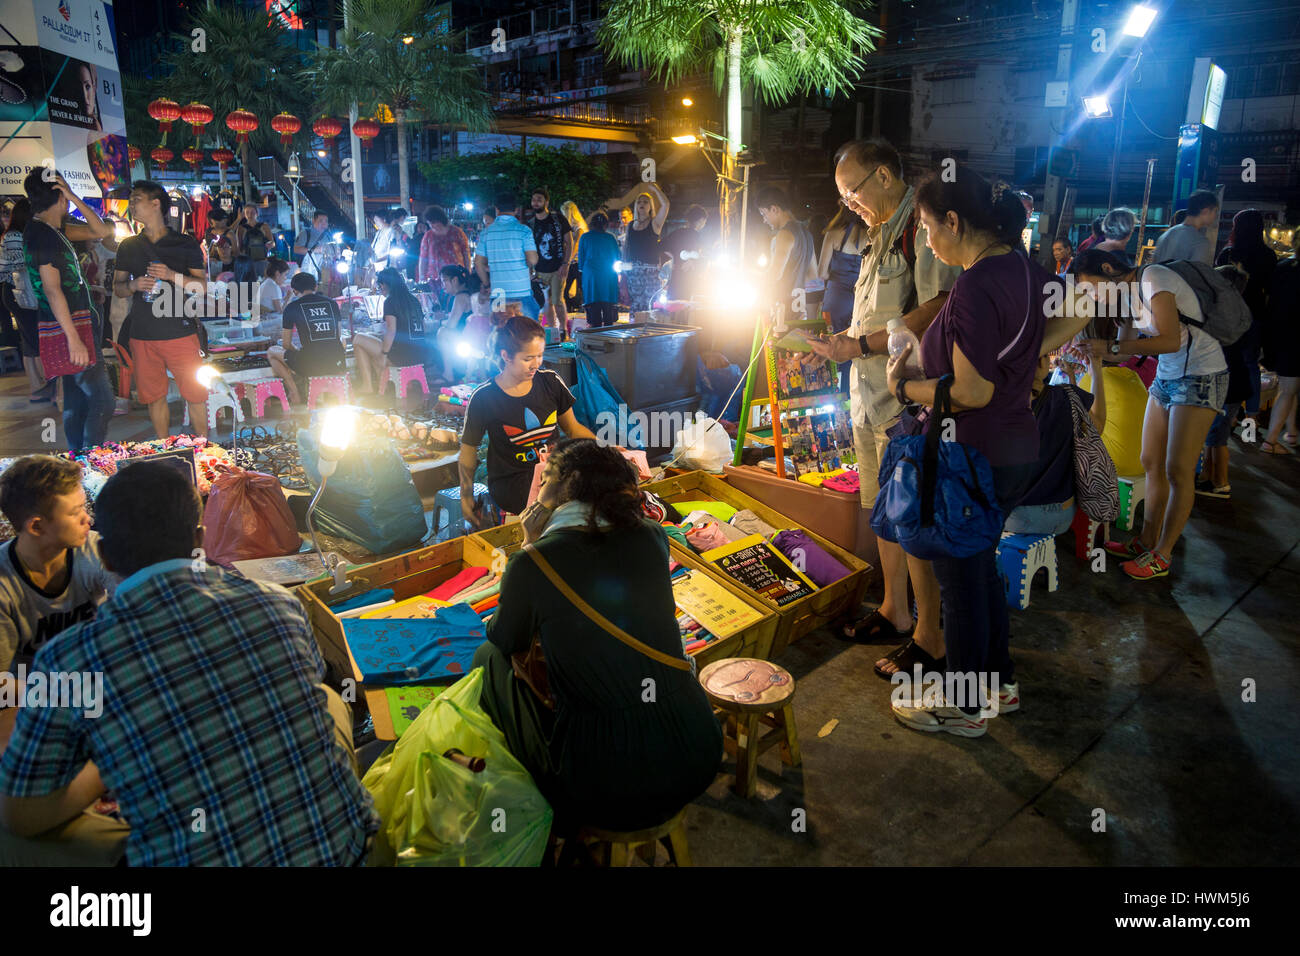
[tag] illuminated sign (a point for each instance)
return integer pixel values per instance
(285, 11)
(1214, 97)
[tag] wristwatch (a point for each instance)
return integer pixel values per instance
(900, 392)
(1114, 348)
(862, 344)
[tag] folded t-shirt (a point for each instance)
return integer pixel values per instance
(719, 510)
(751, 523)
(809, 557)
(710, 533)
(847, 482)
(457, 584)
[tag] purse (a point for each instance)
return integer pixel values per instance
(530, 666)
(937, 498)
(1096, 483)
(53, 343)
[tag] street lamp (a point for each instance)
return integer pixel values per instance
(1098, 107)
(1138, 24)
(1139, 21)
(687, 101)
(293, 174)
(336, 433)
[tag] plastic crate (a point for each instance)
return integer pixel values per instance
(647, 363)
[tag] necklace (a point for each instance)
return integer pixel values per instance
(995, 242)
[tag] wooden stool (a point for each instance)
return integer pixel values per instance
(748, 694)
(319, 385)
(614, 847)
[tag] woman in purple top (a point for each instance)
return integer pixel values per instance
(987, 337)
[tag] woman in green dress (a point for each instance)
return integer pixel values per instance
(631, 739)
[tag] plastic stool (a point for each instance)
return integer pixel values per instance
(1085, 534)
(749, 694)
(1132, 492)
(11, 360)
(614, 847)
(336, 385)
(264, 388)
(216, 401)
(1019, 558)
(449, 498)
(403, 377)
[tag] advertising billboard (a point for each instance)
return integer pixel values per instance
(61, 95)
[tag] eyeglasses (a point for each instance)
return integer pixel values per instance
(853, 193)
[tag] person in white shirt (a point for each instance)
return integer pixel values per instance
(1190, 388)
(271, 296)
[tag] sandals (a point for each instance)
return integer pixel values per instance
(874, 628)
(906, 657)
(1275, 448)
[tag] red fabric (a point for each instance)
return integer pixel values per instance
(435, 252)
(201, 207)
(457, 584)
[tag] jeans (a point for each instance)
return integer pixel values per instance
(1040, 519)
(977, 627)
(87, 406)
(1221, 427)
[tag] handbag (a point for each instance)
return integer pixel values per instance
(55, 355)
(936, 497)
(530, 666)
(1096, 483)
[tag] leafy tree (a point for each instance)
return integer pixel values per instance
(567, 174)
(245, 61)
(423, 80)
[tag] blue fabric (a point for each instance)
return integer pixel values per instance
(87, 404)
(374, 596)
(503, 244)
(392, 652)
(597, 253)
(592, 392)
(714, 386)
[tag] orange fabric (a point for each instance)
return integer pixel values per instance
(153, 360)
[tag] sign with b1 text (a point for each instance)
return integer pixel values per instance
(61, 95)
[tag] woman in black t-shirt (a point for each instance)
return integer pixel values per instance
(520, 411)
(403, 342)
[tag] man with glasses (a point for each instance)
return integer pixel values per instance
(900, 276)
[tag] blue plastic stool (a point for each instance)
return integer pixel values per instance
(449, 498)
(1019, 558)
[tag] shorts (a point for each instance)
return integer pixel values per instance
(301, 364)
(152, 360)
(870, 443)
(1199, 391)
(554, 287)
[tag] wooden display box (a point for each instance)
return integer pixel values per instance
(753, 641)
(799, 617)
(409, 575)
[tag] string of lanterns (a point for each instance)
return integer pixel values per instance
(241, 122)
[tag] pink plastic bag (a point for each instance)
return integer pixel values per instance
(247, 517)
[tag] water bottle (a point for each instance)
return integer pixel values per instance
(900, 336)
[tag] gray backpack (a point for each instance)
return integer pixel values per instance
(1224, 313)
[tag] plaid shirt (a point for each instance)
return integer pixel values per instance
(503, 244)
(209, 703)
(436, 252)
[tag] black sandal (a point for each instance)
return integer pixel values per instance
(874, 628)
(906, 657)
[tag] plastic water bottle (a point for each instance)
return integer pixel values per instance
(900, 336)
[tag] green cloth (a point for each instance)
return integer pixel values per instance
(723, 512)
(607, 756)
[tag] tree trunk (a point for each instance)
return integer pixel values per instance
(244, 172)
(403, 161)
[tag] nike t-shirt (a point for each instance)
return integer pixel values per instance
(29, 617)
(516, 428)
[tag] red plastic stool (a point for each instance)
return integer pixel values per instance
(403, 377)
(336, 385)
(1085, 534)
(264, 388)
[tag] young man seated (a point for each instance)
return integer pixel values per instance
(51, 576)
(320, 350)
(215, 736)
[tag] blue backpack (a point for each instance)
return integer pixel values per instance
(936, 497)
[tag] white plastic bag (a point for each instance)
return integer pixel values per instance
(703, 444)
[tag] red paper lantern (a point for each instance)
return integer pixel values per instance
(161, 155)
(133, 154)
(166, 112)
(366, 130)
(241, 123)
(286, 124)
(327, 127)
(198, 116)
(223, 157)
(192, 156)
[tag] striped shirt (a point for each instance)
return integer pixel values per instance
(503, 244)
(213, 734)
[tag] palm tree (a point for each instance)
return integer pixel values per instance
(390, 55)
(248, 64)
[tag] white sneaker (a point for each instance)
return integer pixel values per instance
(941, 719)
(1009, 698)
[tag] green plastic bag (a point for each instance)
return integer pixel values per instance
(438, 813)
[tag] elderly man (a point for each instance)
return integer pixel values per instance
(900, 276)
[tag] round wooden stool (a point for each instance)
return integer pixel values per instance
(748, 694)
(614, 847)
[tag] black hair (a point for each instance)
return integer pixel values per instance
(153, 190)
(599, 476)
(469, 281)
(1180, 217)
(1064, 241)
(303, 282)
(994, 209)
(436, 214)
(697, 212)
(513, 335)
(1200, 201)
(1093, 262)
(145, 514)
(275, 266)
(598, 222)
(41, 192)
(870, 153)
(318, 213)
(490, 211)
(540, 191)
(20, 213)
(1096, 227)
(507, 203)
(391, 216)
(397, 290)
(1247, 235)
(770, 196)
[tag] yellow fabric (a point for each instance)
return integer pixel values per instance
(1126, 407)
(817, 478)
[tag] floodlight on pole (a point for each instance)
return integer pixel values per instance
(686, 139)
(1139, 21)
(1098, 107)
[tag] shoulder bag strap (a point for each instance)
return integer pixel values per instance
(607, 625)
